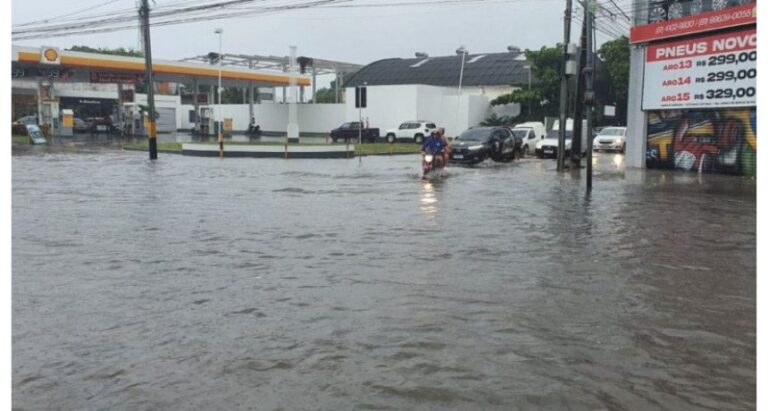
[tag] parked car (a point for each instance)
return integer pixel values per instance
(528, 138)
(36, 136)
(20, 125)
(538, 127)
(79, 125)
(479, 143)
(547, 147)
(611, 139)
(351, 131)
(415, 131)
(596, 130)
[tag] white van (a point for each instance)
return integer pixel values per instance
(530, 133)
(548, 146)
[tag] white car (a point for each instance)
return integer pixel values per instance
(547, 147)
(415, 131)
(611, 139)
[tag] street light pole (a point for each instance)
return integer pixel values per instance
(218, 117)
(463, 51)
(529, 87)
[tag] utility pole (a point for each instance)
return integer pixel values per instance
(578, 112)
(589, 94)
(564, 87)
(219, 120)
(152, 132)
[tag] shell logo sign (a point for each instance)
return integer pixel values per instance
(50, 55)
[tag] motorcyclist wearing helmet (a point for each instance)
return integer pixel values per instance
(434, 145)
(446, 152)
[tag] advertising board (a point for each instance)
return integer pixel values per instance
(744, 14)
(705, 72)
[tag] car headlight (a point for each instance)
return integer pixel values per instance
(539, 144)
(476, 147)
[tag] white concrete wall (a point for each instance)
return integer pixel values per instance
(438, 104)
(163, 101)
(321, 118)
(389, 106)
(313, 118)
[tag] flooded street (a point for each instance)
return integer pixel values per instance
(200, 283)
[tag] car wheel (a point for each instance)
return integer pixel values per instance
(526, 151)
(624, 148)
(335, 139)
(391, 138)
(418, 138)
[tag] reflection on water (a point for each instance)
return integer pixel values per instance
(197, 283)
(428, 197)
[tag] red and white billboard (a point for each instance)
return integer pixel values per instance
(705, 72)
(700, 23)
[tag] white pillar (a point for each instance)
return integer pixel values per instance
(637, 125)
(293, 122)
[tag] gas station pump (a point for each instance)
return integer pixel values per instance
(204, 121)
(67, 123)
(48, 109)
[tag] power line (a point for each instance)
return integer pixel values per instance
(207, 10)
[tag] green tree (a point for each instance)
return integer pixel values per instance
(496, 120)
(615, 56)
(233, 95)
(120, 51)
(543, 96)
(326, 95)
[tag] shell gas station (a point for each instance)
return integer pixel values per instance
(58, 86)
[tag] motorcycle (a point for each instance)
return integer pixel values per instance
(430, 161)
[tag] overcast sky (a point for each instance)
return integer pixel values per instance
(352, 35)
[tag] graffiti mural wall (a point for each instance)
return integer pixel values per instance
(706, 141)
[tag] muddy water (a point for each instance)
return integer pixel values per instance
(195, 283)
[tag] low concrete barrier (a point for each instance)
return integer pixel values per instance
(269, 151)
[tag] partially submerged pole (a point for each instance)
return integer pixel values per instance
(589, 94)
(152, 132)
(564, 87)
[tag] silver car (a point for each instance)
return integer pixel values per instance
(611, 139)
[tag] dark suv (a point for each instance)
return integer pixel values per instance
(479, 143)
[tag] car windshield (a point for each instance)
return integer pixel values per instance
(556, 134)
(613, 131)
(520, 132)
(478, 134)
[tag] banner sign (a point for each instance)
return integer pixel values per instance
(700, 23)
(53, 72)
(122, 78)
(705, 72)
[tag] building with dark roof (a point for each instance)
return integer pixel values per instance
(427, 88)
(480, 70)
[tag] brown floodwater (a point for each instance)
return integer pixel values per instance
(200, 283)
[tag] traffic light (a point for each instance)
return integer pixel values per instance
(361, 97)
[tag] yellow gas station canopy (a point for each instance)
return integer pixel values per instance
(163, 70)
